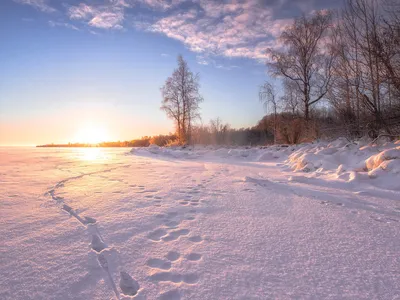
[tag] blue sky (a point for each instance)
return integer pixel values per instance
(66, 64)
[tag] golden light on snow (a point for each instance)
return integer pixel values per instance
(92, 134)
(92, 154)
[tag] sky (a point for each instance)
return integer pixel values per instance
(73, 70)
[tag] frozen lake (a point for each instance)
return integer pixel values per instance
(107, 224)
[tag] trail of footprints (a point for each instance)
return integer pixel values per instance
(161, 269)
(169, 231)
(128, 285)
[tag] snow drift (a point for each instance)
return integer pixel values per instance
(343, 160)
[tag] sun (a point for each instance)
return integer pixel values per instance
(92, 134)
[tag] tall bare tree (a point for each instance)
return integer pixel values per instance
(371, 48)
(388, 44)
(306, 58)
(181, 99)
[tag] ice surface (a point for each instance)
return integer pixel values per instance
(316, 221)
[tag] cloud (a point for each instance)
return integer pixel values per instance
(201, 60)
(160, 4)
(38, 4)
(63, 24)
(206, 60)
(109, 16)
(240, 29)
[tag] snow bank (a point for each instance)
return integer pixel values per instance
(349, 161)
(377, 160)
(352, 162)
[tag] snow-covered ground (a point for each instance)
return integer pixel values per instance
(318, 221)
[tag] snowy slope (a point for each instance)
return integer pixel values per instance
(197, 224)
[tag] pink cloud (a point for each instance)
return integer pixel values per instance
(233, 30)
(82, 11)
(104, 16)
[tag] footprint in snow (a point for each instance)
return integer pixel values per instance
(128, 285)
(90, 220)
(173, 256)
(194, 256)
(174, 235)
(195, 239)
(97, 244)
(175, 277)
(171, 224)
(102, 261)
(159, 264)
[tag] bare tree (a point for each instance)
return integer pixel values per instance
(306, 58)
(268, 96)
(388, 44)
(371, 48)
(181, 99)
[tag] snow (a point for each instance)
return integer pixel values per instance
(339, 159)
(312, 221)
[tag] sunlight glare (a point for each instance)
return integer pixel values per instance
(92, 154)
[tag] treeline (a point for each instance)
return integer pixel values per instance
(219, 133)
(161, 140)
(340, 74)
(77, 145)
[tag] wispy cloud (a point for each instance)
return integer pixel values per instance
(41, 5)
(160, 4)
(109, 16)
(206, 60)
(63, 24)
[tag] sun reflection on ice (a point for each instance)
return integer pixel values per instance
(92, 154)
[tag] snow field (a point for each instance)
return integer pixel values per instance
(196, 224)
